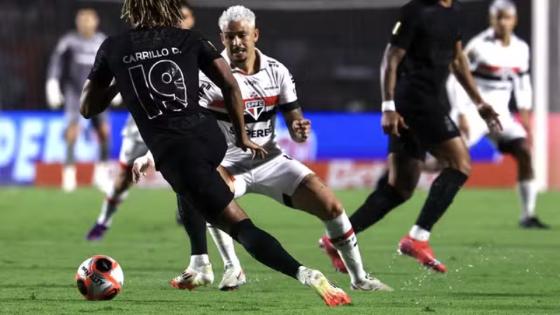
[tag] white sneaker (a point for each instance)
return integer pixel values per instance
(233, 278)
(192, 278)
(69, 182)
(370, 283)
(331, 294)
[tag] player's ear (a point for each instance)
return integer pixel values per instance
(257, 34)
(223, 38)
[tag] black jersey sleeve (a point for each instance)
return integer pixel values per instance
(405, 29)
(207, 54)
(100, 72)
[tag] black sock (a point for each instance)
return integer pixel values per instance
(264, 248)
(442, 192)
(384, 199)
(194, 225)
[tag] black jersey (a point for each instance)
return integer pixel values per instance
(428, 32)
(156, 71)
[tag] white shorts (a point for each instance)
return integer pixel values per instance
(131, 149)
(512, 130)
(278, 178)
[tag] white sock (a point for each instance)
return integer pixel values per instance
(225, 246)
(419, 233)
(528, 193)
(110, 206)
(301, 274)
(341, 234)
(198, 261)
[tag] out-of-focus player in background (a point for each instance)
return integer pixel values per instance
(132, 147)
(155, 67)
(68, 69)
(266, 87)
(425, 44)
(499, 61)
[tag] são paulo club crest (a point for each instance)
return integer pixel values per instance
(255, 108)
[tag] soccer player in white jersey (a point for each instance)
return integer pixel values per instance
(267, 86)
(499, 62)
(132, 147)
(69, 67)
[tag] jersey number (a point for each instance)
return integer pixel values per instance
(162, 89)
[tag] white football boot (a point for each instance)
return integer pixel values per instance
(331, 294)
(193, 277)
(370, 283)
(233, 278)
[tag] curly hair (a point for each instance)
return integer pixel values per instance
(153, 13)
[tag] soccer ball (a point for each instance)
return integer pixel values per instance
(99, 278)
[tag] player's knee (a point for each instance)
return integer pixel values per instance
(405, 192)
(333, 209)
(461, 164)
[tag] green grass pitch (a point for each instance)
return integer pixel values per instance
(495, 267)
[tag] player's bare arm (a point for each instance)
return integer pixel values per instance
(299, 127)
(220, 73)
(461, 70)
(96, 97)
(391, 121)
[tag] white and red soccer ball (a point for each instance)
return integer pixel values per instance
(99, 278)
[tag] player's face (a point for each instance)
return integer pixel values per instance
(240, 39)
(504, 22)
(87, 22)
(188, 18)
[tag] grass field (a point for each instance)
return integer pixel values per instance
(494, 266)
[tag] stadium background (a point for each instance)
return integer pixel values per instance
(333, 49)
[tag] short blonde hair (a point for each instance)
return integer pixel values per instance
(236, 13)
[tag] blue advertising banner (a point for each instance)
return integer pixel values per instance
(30, 137)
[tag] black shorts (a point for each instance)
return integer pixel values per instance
(426, 130)
(189, 163)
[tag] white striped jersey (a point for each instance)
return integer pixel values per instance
(270, 89)
(498, 70)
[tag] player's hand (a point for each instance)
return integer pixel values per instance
(141, 166)
(490, 117)
(464, 126)
(117, 100)
(392, 122)
(55, 99)
(256, 150)
(300, 130)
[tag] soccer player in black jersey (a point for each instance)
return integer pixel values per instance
(155, 68)
(425, 44)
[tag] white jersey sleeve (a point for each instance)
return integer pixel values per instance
(287, 84)
(208, 92)
(522, 88)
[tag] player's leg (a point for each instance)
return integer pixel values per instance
(199, 271)
(455, 155)
(267, 250)
(69, 181)
(101, 172)
(521, 152)
(73, 128)
(314, 197)
(234, 275)
(115, 195)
